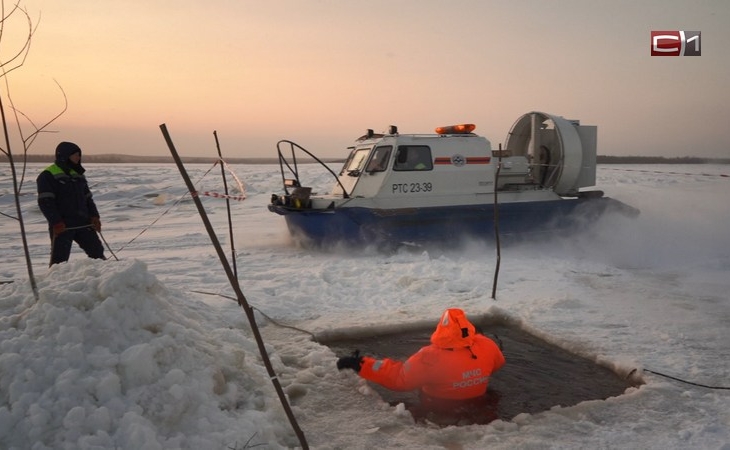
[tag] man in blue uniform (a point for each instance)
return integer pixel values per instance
(66, 201)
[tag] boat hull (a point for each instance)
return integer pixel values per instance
(447, 224)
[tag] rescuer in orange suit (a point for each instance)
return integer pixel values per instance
(456, 366)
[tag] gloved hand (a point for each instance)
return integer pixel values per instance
(58, 228)
(353, 362)
(96, 224)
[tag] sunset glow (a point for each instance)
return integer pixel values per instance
(321, 72)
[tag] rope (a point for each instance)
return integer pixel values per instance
(278, 324)
(677, 379)
(53, 240)
(164, 212)
(107, 246)
(153, 222)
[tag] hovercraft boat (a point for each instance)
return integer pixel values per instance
(444, 187)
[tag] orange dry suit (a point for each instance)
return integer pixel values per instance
(456, 365)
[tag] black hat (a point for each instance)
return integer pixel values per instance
(66, 149)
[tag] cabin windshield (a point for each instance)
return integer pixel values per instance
(413, 157)
(356, 162)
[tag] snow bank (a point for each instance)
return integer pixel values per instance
(107, 358)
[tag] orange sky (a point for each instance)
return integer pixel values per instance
(320, 72)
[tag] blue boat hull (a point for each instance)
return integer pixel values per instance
(366, 226)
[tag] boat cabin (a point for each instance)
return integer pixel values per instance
(455, 166)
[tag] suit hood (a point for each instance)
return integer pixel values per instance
(453, 330)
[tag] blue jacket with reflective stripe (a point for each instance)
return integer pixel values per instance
(65, 197)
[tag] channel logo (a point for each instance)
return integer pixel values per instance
(676, 43)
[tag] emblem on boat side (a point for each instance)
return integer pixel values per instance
(458, 160)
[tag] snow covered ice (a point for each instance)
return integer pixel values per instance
(141, 354)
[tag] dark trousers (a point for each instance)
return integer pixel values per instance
(86, 238)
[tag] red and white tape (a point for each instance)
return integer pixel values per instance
(239, 198)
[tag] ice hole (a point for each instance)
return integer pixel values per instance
(536, 377)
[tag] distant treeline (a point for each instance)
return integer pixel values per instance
(602, 159)
(134, 159)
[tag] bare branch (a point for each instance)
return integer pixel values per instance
(28, 141)
(18, 59)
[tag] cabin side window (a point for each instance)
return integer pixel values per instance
(379, 160)
(413, 157)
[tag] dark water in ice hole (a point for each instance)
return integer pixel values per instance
(536, 376)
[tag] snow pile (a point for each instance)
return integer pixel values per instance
(109, 359)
